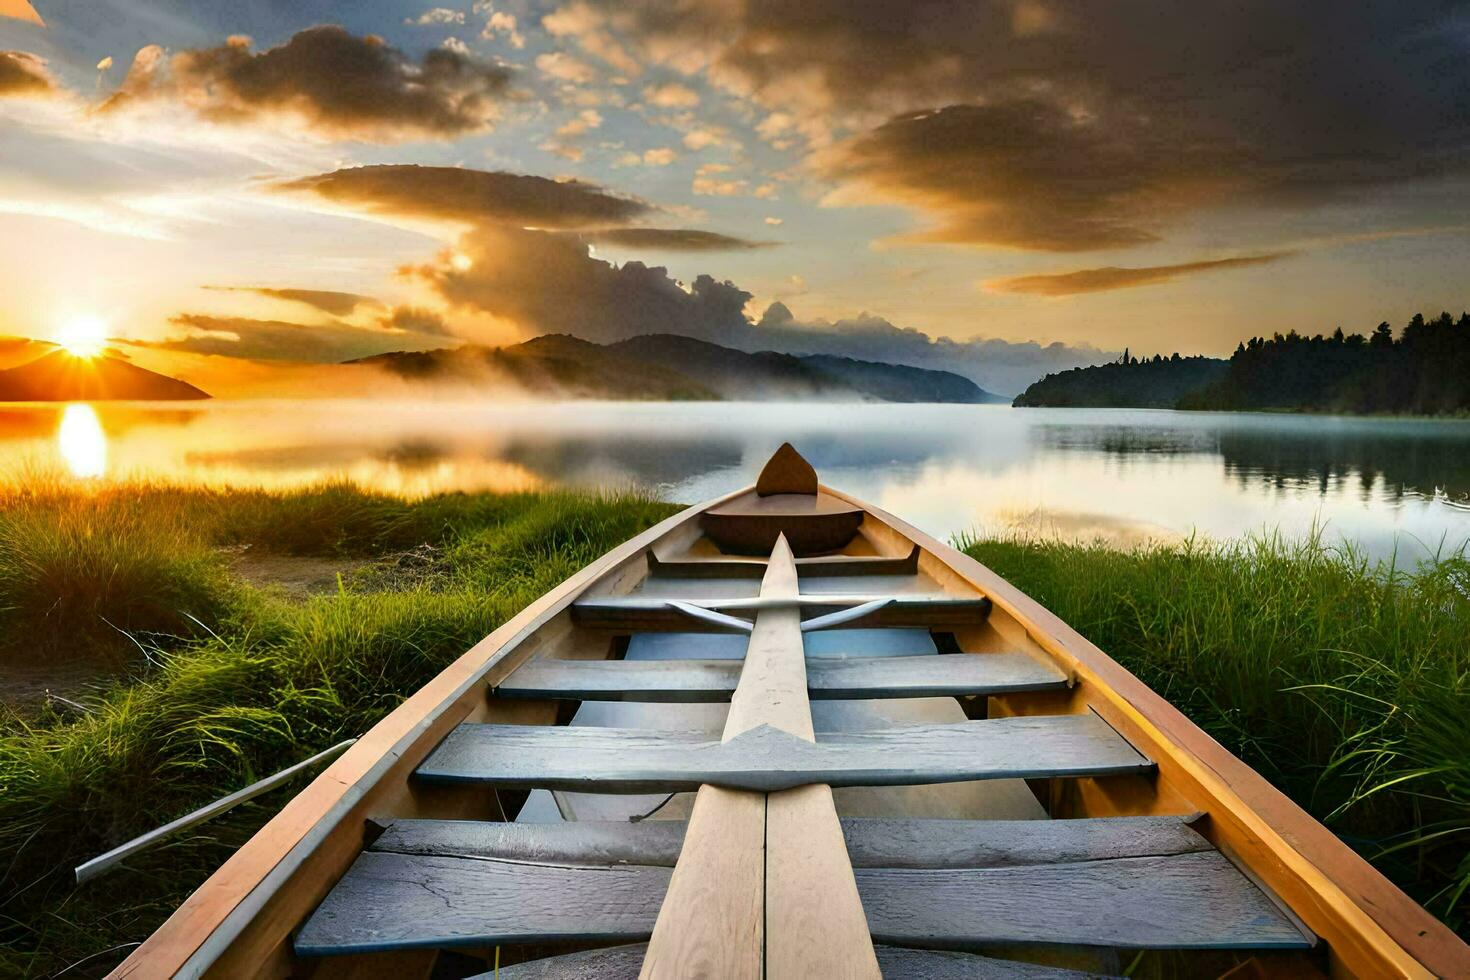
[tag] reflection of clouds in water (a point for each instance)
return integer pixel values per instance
(1119, 475)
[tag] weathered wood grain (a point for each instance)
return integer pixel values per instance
(612, 760)
(1194, 900)
(871, 843)
(953, 675)
(623, 962)
(403, 901)
(1180, 901)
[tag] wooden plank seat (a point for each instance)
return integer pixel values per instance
(1090, 887)
(811, 523)
(825, 565)
(614, 760)
(947, 675)
(624, 962)
(631, 614)
(871, 843)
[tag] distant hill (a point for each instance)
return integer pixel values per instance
(62, 377)
(670, 367)
(1157, 382)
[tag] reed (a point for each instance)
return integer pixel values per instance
(1344, 682)
(239, 695)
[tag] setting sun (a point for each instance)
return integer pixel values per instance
(83, 336)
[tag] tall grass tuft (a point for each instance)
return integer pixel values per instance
(1344, 682)
(262, 687)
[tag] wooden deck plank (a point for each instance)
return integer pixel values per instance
(828, 565)
(1180, 901)
(871, 843)
(614, 760)
(405, 901)
(940, 675)
(1196, 900)
(623, 963)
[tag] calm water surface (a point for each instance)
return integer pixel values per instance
(1119, 474)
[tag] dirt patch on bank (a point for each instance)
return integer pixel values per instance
(298, 577)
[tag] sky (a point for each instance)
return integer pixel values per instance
(999, 187)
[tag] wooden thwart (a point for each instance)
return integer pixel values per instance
(636, 613)
(1191, 900)
(947, 675)
(871, 843)
(827, 565)
(617, 760)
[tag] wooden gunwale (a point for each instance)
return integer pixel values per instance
(211, 920)
(1370, 926)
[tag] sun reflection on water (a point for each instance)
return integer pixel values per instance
(81, 441)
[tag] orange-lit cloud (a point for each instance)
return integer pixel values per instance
(1112, 277)
(327, 300)
(20, 10)
(278, 340)
(471, 196)
(672, 239)
(24, 74)
(333, 83)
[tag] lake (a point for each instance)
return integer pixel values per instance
(1122, 475)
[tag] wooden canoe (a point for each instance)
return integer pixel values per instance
(785, 734)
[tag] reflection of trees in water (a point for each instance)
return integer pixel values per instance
(1417, 463)
(1299, 453)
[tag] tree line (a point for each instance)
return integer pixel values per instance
(1425, 370)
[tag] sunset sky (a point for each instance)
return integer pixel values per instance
(1158, 175)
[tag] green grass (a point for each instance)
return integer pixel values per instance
(257, 683)
(1346, 684)
(1343, 685)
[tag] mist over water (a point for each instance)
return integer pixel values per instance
(1386, 485)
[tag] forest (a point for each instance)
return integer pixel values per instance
(1425, 370)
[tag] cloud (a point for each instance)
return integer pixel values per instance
(24, 74)
(1053, 125)
(436, 15)
(1027, 175)
(502, 24)
(332, 83)
(659, 156)
(1113, 277)
(671, 239)
(279, 340)
(671, 95)
(21, 10)
(998, 366)
(588, 26)
(549, 283)
(326, 300)
(471, 196)
(565, 68)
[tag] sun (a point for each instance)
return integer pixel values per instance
(83, 336)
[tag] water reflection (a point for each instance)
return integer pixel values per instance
(1117, 474)
(81, 441)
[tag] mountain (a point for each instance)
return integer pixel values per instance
(1157, 382)
(671, 367)
(62, 377)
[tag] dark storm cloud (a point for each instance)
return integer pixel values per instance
(1113, 277)
(338, 85)
(672, 239)
(471, 196)
(327, 300)
(24, 74)
(279, 340)
(1070, 124)
(549, 283)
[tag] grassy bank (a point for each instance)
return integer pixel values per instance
(1345, 688)
(1344, 684)
(217, 682)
